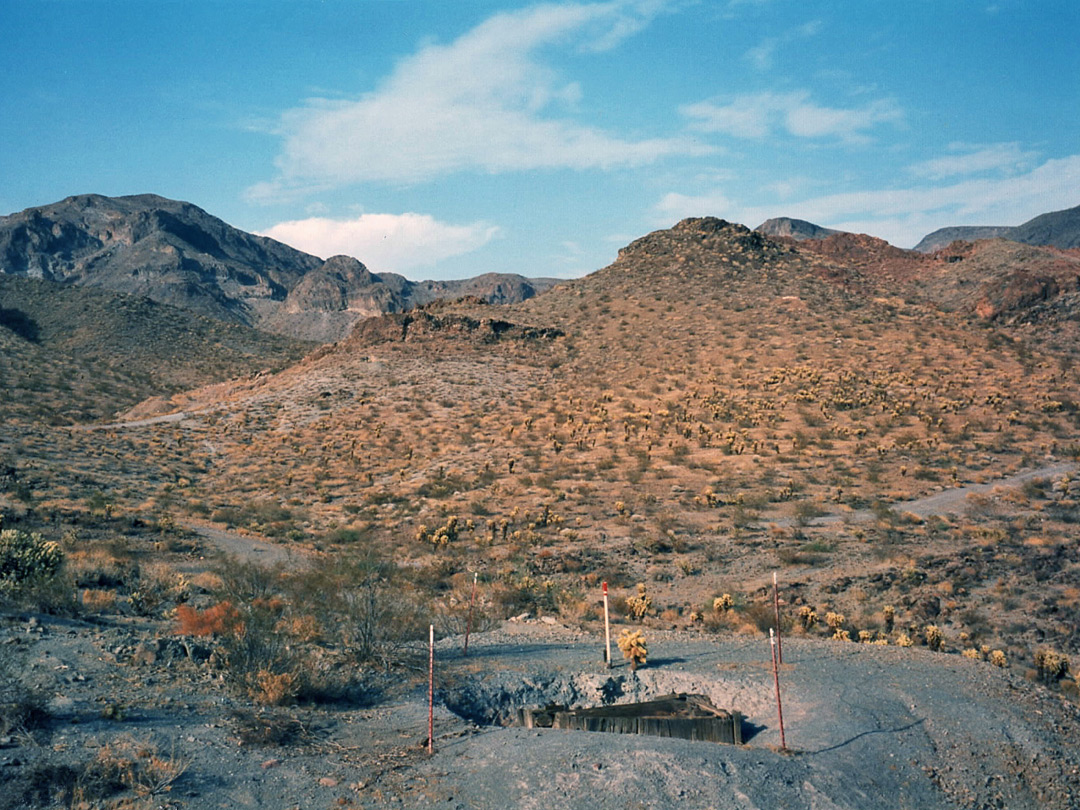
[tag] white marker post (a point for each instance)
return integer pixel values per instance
(607, 631)
(431, 690)
(776, 610)
(468, 622)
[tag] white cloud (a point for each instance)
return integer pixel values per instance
(761, 56)
(483, 102)
(673, 207)
(760, 114)
(902, 216)
(384, 242)
(975, 159)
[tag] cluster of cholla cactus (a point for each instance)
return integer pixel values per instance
(935, 639)
(1051, 665)
(639, 606)
(984, 653)
(443, 535)
(888, 613)
(25, 558)
(835, 621)
(632, 644)
(545, 518)
(723, 603)
(806, 617)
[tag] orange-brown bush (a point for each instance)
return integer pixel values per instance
(218, 620)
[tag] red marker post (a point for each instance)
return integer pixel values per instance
(776, 683)
(607, 631)
(431, 690)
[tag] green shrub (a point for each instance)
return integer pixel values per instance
(26, 558)
(31, 572)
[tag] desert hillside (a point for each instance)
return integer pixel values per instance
(714, 407)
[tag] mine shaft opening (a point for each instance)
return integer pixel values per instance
(682, 716)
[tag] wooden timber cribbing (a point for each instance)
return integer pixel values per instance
(688, 717)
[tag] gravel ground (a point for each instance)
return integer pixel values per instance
(879, 727)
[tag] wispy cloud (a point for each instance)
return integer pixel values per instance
(761, 56)
(485, 102)
(969, 159)
(903, 215)
(384, 242)
(761, 114)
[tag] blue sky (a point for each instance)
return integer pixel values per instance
(448, 139)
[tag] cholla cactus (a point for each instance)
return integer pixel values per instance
(904, 640)
(807, 617)
(998, 659)
(1052, 666)
(632, 644)
(935, 639)
(723, 603)
(26, 557)
(865, 636)
(835, 620)
(888, 613)
(972, 653)
(639, 605)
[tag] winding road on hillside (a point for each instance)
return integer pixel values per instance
(951, 501)
(137, 423)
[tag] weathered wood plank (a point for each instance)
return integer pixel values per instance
(688, 717)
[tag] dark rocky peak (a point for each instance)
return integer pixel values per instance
(703, 238)
(424, 325)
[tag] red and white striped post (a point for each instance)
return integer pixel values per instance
(431, 690)
(776, 683)
(468, 622)
(607, 631)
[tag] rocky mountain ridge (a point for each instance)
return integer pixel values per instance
(176, 253)
(798, 229)
(1057, 229)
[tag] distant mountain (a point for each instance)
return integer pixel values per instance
(943, 237)
(1057, 229)
(176, 253)
(798, 229)
(75, 354)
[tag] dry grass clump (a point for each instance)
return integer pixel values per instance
(266, 727)
(284, 637)
(21, 707)
(125, 773)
